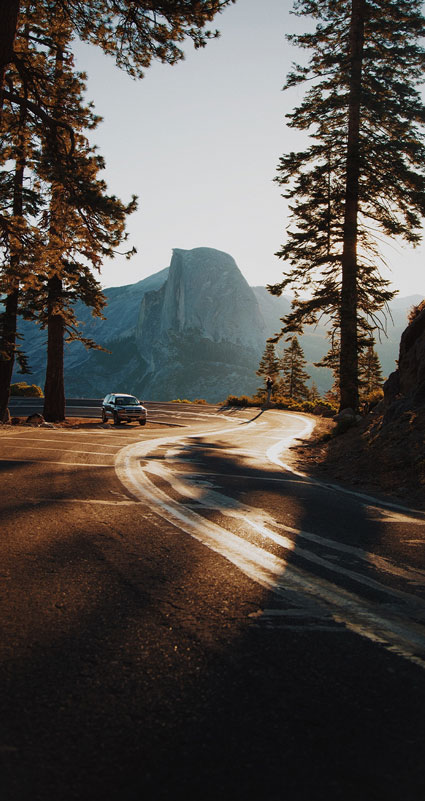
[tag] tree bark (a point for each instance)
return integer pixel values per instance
(349, 355)
(10, 314)
(9, 11)
(7, 347)
(54, 390)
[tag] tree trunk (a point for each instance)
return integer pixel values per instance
(54, 390)
(7, 347)
(9, 10)
(349, 357)
(10, 314)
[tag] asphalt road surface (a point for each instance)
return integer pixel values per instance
(184, 616)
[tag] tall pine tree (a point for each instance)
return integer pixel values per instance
(370, 372)
(364, 171)
(295, 377)
(78, 223)
(269, 367)
(134, 33)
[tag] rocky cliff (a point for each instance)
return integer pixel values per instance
(405, 387)
(202, 332)
(384, 454)
(193, 329)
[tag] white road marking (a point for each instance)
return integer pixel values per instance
(68, 450)
(53, 461)
(379, 623)
(262, 521)
(273, 456)
(51, 439)
(283, 444)
(100, 501)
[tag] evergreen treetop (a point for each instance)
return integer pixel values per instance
(351, 183)
(292, 365)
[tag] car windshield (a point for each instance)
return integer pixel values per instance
(130, 401)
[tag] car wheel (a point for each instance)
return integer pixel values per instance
(142, 422)
(104, 416)
(116, 419)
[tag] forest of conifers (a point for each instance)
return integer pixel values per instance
(360, 176)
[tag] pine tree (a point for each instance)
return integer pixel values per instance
(331, 360)
(314, 394)
(292, 365)
(370, 372)
(364, 170)
(269, 366)
(134, 32)
(78, 223)
(9, 11)
(20, 239)
(82, 220)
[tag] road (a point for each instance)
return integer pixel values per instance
(183, 614)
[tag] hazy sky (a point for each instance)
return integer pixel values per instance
(199, 144)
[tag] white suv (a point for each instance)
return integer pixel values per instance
(123, 407)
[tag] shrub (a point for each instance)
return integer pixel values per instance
(240, 400)
(308, 406)
(373, 398)
(22, 389)
(325, 409)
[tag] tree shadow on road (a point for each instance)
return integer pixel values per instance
(134, 665)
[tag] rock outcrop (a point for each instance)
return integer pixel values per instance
(201, 333)
(405, 387)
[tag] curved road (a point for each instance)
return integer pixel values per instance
(183, 614)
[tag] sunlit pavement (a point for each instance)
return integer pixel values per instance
(181, 612)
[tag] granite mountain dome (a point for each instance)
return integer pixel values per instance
(193, 329)
(200, 295)
(202, 331)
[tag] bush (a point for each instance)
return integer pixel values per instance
(240, 400)
(372, 399)
(325, 409)
(22, 389)
(308, 406)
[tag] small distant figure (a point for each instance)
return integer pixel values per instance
(269, 387)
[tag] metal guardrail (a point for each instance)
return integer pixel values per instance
(91, 407)
(74, 407)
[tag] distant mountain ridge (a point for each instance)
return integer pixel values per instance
(193, 329)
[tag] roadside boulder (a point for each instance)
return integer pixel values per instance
(347, 416)
(35, 419)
